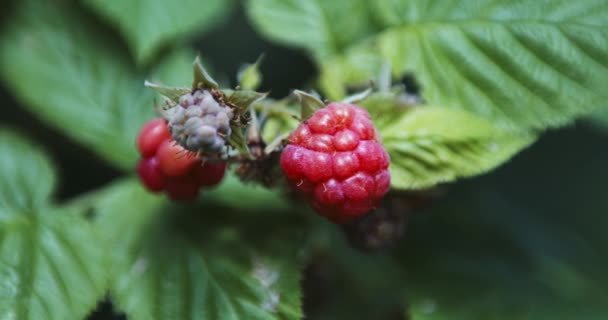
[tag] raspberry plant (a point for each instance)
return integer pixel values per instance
(209, 212)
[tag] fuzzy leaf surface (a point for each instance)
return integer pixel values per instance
(87, 89)
(529, 65)
(49, 255)
(431, 145)
(179, 262)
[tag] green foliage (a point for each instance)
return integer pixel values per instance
(177, 262)
(485, 252)
(249, 196)
(149, 25)
(322, 27)
(531, 65)
(87, 88)
(250, 76)
(599, 119)
(54, 265)
(309, 103)
(431, 145)
(176, 68)
(174, 75)
(202, 79)
(501, 248)
(49, 270)
(23, 193)
(280, 118)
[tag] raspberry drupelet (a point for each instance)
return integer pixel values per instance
(336, 161)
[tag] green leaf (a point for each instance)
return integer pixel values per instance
(176, 68)
(238, 141)
(88, 89)
(178, 262)
(309, 103)
(431, 145)
(149, 25)
(385, 107)
(358, 97)
(49, 255)
(250, 76)
(248, 195)
(202, 79)
(241, 100)
(280, 118)
(28, 177)
(500, 249)
(171, 93)
(529, 65)
(322, 27)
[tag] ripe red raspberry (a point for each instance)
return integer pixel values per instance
(336, 161)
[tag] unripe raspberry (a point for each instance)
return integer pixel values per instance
(182, 188)
(151, 135)
(336, 161)
(174, 160)
(210, 174)
(200, 123)
(150, 175)
(166, 166)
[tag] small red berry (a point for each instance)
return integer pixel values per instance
(151, 135)
(336, 161)
(182, 188)
(168, 166)
(209, 174)
(174, 160)
(150, 175)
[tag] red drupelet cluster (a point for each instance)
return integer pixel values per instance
(336, 161)
(166, 166)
